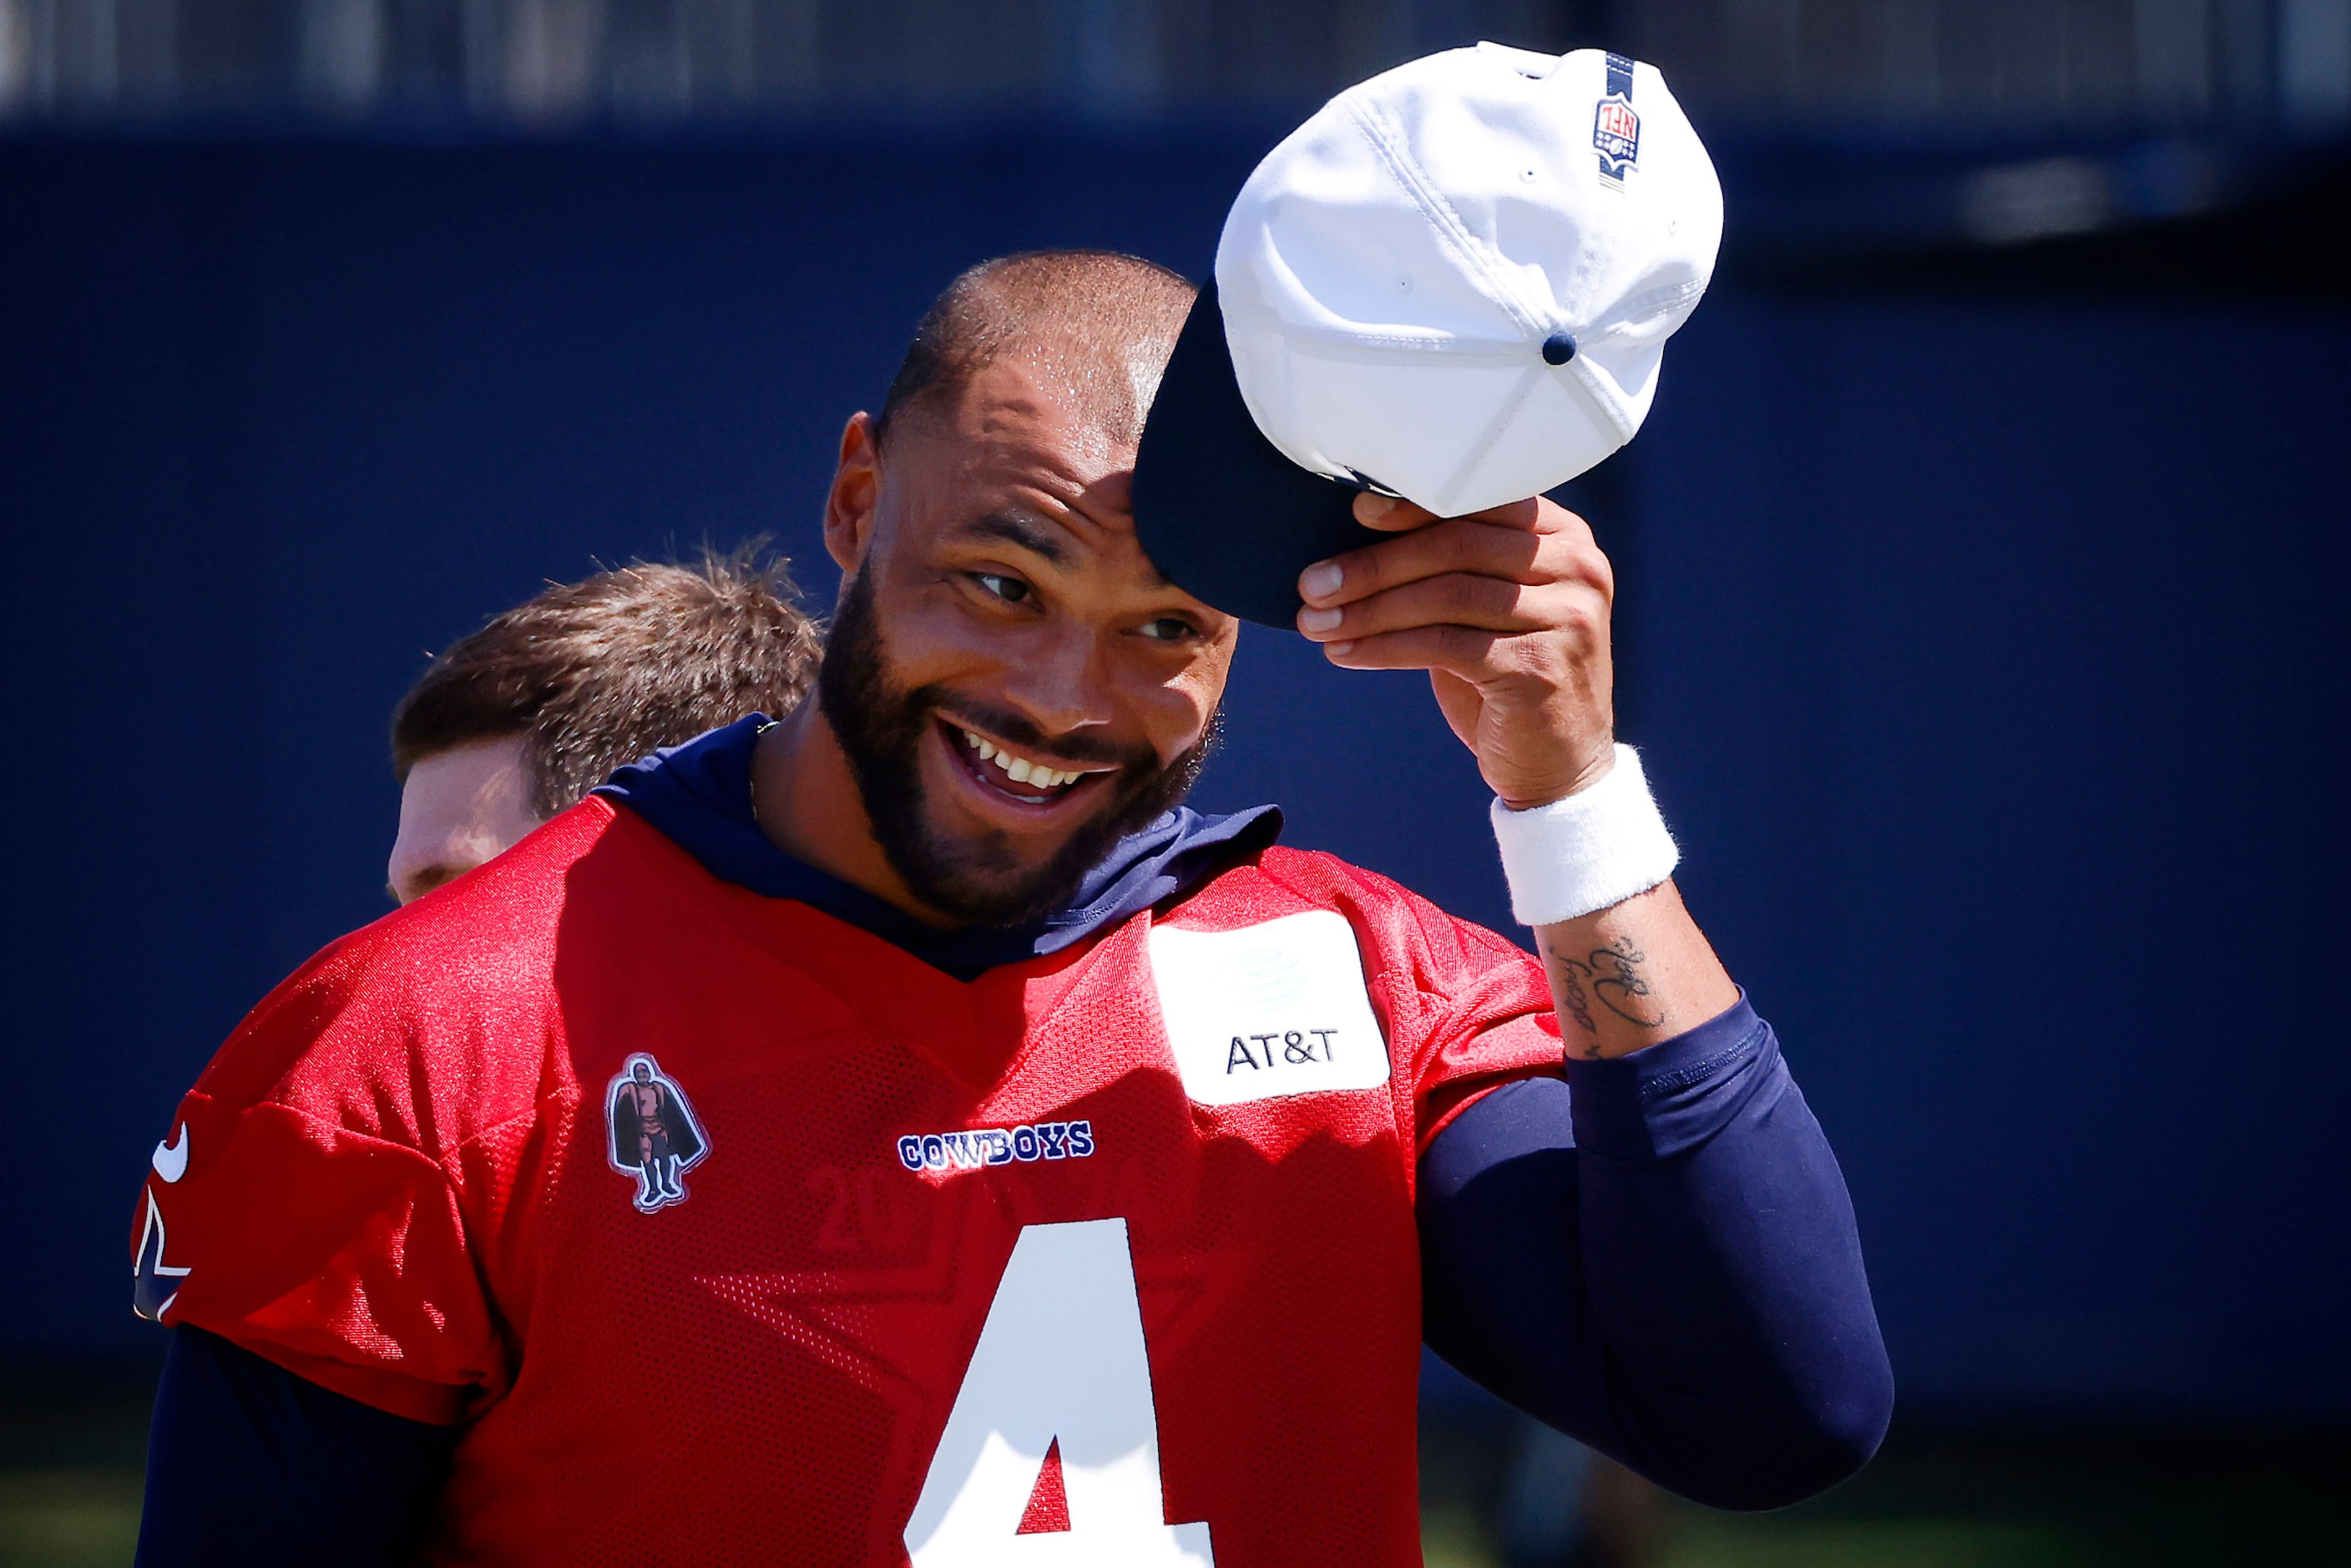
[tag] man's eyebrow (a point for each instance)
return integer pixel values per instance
(1014, 528)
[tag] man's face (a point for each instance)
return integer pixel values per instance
(459, 808)
(1015, 685)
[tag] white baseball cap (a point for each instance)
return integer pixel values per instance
(1453, 284)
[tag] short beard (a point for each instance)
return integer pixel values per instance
(975, 881)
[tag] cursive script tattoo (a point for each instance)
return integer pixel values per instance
(1617, 982)
(1612, 975)
(1567, 979)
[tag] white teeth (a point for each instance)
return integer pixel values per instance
(1019, 769)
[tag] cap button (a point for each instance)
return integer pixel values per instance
(1558, 348)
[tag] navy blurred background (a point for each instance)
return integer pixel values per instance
(1984, 560)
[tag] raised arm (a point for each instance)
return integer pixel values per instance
(1655, 1253)
(1508, 613)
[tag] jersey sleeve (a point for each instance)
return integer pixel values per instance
(1488, 1020)
(294, 1212)
(1466, 1009)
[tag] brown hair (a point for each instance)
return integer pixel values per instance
(1100, 321)
(595, 673)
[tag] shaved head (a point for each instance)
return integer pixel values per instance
(1094, 326)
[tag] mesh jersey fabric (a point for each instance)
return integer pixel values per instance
(404, 1183)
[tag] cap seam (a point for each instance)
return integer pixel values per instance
(1580, 374)
(1660, 300)
(1448, 222)
(1503, 419)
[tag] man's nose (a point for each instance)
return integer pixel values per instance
(1062, 684)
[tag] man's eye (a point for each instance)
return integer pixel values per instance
(1011, 589)
(1169, 629)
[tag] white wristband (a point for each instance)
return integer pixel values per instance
(1599, 846)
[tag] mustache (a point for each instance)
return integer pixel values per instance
(1007, 726)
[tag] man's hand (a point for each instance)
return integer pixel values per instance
(1507, 611)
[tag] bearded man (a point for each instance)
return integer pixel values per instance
(1080, 1175)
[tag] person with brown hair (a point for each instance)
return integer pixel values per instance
(516, 722)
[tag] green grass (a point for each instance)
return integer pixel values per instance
(1701, 1541)
(2092, 1498)
(91, 1520)
(1453, 1538)
(67, 1518)
(2111, 1499)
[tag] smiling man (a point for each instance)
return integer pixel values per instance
(1071, 1173)
(1036, 689)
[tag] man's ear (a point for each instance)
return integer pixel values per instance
(854, 502)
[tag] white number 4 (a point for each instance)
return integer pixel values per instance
(1060, 1357)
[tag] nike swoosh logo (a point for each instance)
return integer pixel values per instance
(172, 1158)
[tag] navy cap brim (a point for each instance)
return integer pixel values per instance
(1218, 507)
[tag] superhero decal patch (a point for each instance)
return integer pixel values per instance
(652, 1134)
(1615, 129)
(1267, 1011)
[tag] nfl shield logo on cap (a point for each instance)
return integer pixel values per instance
(1615, 129)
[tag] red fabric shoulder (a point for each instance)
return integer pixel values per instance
(328, 1169)
(1448, 950)
(1466, 1009)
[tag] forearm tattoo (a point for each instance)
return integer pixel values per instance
(1567, 982)
(1617, 982)
(1610, 974)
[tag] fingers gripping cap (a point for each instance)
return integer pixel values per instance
(1455, 283)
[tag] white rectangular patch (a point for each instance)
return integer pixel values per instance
(1267, 1011)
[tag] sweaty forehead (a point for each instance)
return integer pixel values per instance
(1108, 384)
(1018, 459)
(1043, 420)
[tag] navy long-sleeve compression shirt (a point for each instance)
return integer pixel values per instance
(1657, 1255)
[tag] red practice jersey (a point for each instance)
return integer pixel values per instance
(733, 1233)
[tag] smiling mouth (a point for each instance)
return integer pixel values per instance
(1017, 778)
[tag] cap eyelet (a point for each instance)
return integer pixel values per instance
(1558, 348)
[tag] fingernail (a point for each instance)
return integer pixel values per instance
(1338, 650)
(1320, 581)
(1320, 620)
(1375, 505)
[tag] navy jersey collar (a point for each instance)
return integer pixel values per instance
(698, 795)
